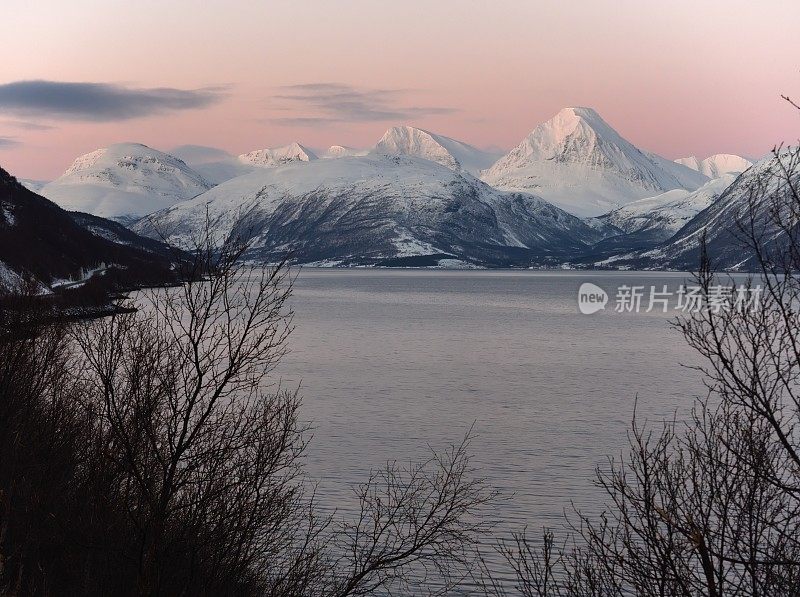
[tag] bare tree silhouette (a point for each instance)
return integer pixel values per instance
(709, 506)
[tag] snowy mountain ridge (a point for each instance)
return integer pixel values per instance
(276, 156)
(716, 165)
(213, 164)
(376, 209)
(43, 242)
(720, 222)
(575, 161)
(342, 151)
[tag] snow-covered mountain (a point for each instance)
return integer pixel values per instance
(342, 151)
(752, 198)
(716, 165)
(124, 182)
(580, 163)
(662, 216)
(56, 249)
(407, 140)
(376, 209)
(277, 156)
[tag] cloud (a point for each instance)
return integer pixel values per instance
(8, 142)
(30, 126)
(304, 121)
(98, 102)
(337, 102)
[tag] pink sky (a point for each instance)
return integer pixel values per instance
(678, 78)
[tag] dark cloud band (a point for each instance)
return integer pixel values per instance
(100, 102)
(337, 102)
(30, 126)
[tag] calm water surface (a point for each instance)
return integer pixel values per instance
(393, 361)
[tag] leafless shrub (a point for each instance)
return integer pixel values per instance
(151, 453)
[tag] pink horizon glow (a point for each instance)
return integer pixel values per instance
(679, 78)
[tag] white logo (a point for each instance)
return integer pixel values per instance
(591, 298)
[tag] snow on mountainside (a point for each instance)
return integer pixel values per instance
(376, 209)
(407, 140)
(581, 164)
(663, 215)
(342, 151)
(720, 222)
(276, 156)
(124, 182)
(751, 198)
(41, 240)
(716, 165)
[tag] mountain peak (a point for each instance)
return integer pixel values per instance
(416, 142)
(115, 152)
(581, 163)
(575, 130)
(125, 181)
(343, 151)
(717, 165)
(403, 136)
(408, 140)
(578, 112)
(277, 156)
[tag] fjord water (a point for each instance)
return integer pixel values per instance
(394, 361)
